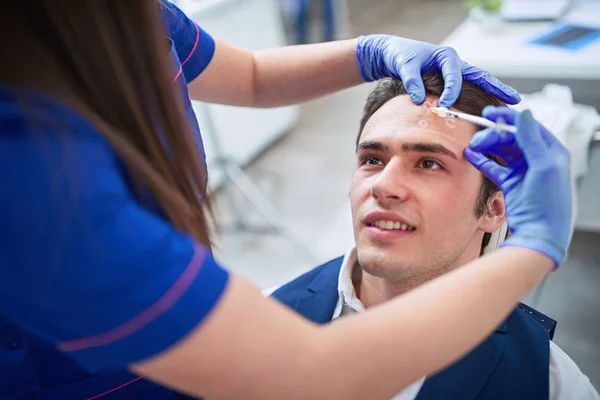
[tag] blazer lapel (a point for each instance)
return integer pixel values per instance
(321, 297)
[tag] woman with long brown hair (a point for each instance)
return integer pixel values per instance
(105, 257)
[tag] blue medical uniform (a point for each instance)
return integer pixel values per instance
(90, 280)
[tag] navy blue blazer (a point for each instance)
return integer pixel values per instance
(513, 363)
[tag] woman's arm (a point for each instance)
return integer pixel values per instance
(252, 347)
(276, 77)
(221, 73)
(293, 74)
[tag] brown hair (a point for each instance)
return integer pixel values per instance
(472, 100)
(108, 60)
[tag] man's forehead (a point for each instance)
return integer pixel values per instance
(402, 120)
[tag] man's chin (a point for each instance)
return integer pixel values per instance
(384, 264)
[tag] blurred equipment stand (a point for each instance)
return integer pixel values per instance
(235, 135)
(334, 22)
(234, 174)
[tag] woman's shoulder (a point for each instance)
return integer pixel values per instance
(25, 113)
(46, 130)
(49, 151)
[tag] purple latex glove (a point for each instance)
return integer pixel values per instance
(536, 182)
(381, 56)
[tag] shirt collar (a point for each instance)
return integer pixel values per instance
(347, 298)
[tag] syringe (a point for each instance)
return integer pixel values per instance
(445, 113)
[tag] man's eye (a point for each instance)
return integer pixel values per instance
(428, 163)
(370, 160)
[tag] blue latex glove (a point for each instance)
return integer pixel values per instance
(381, 56)
(536, 181)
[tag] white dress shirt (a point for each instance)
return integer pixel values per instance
(566, 379)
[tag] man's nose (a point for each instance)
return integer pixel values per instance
(390, 186)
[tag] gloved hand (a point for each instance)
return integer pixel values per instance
(380, 56)
(536, 181)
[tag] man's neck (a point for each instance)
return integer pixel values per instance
(373, 290)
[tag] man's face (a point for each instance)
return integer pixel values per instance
(413, 194)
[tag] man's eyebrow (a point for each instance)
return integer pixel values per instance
(372, 145)
(427, 148)
(407, 147)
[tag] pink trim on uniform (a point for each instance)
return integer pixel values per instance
(115, 389)
(177, 75)
(189, 55)
(162, 305)
(194, 46)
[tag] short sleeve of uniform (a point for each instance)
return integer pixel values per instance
(195, 47)
(83, 264)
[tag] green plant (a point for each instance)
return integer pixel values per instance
(487, 5)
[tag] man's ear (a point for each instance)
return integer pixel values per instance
(495, 214)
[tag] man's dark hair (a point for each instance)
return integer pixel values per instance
(471, 100)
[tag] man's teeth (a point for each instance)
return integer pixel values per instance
(381, 224)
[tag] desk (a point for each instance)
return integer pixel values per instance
(505, 52)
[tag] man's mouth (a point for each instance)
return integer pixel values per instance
(391, 225)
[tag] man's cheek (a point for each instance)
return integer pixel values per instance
(446, 209)
(360, 190)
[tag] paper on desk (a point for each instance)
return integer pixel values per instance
(529, 10)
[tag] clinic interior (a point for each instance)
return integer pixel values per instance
(298, 160)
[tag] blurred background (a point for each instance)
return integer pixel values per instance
(289, 169)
